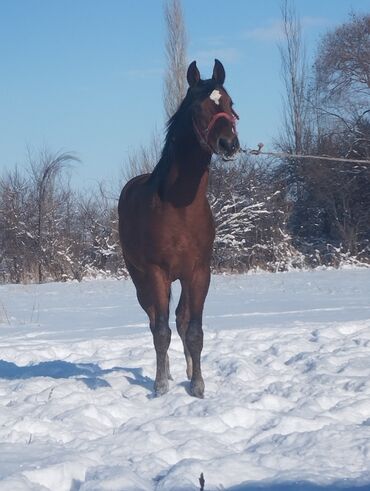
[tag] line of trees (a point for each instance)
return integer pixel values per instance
(50, 232)
(270, 214)
(328, 113)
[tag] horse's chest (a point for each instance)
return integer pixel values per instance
(185, 238)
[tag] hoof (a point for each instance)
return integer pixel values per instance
(197, 389)
(161, 388)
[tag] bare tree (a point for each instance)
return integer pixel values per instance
(175, 78)
(37, 212)
(342, 82)
(102, 252)
(15, 235)
(294, 73)
(343, 62)
(144, 159)
(44, 173)
(330, 202)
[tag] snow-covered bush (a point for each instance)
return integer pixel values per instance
(251, 219)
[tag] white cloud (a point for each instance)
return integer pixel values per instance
(273, 31)
(311, 21)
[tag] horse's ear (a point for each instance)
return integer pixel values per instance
(218, 72)
(193, 75)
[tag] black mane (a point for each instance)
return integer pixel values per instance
(179, 123)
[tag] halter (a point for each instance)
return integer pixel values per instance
(204, 135)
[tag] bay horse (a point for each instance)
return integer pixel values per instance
(166, 226)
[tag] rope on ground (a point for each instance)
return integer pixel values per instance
(284, 155)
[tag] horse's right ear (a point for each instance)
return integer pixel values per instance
(193, 75)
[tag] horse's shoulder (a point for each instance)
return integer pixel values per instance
(133, 184)
(135, 181)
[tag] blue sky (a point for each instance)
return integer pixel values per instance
(87, 75)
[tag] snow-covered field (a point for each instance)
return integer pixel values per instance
(286, 363)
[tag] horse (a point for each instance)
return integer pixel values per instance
(166, 225)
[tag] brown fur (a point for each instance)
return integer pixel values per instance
(166, 225)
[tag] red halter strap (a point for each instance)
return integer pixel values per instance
(203, 135)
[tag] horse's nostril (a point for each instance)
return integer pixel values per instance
(224, 144)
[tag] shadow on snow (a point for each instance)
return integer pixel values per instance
(345, 485)
(88, 373)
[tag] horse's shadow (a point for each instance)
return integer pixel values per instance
(300, 486)
(89, 373)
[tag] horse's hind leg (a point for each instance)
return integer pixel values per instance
(182, 322)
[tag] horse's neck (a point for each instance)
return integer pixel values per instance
(187, 179)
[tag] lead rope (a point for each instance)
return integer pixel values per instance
(258, 151)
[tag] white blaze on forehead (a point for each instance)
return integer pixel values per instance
(215, 96)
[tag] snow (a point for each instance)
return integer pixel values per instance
(286, 363)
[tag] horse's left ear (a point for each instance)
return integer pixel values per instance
(218, 72)
(193, 75)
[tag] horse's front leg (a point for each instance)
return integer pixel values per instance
(162, 338)
(160, 329)
(152, 291)
(182, 324)
(194, 335)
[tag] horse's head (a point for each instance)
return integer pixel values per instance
(214, 119)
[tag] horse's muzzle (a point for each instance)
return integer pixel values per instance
(228, 147)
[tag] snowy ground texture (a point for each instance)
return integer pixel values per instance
(286, 363)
